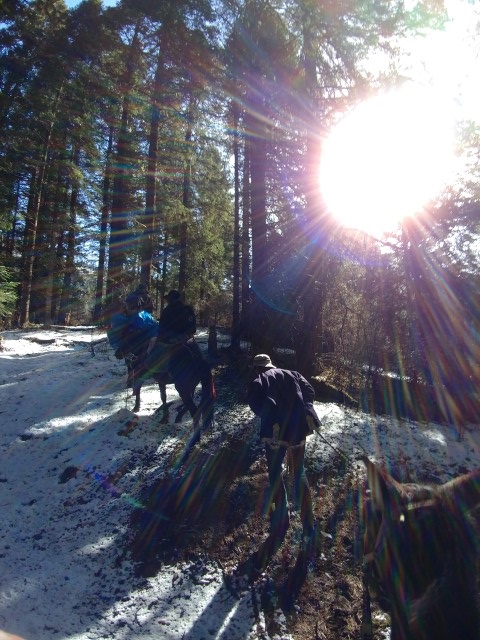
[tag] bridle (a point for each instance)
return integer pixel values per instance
(369, 557)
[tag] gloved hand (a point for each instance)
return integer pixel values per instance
(118, 354)
(312, 424)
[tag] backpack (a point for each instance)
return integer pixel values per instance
(187, 322)
(117, 330)
(127, 336)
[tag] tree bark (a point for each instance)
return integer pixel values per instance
(186, 198)
(121, 168)
(235, 334)
(102, 252)
(149, 221)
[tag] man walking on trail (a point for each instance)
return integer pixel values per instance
(283, 400)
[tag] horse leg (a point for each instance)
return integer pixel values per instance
(136, 386)
(187, 368)
(163, 397)
(162, 379)
(192, 408)
(181, 412)
(163, 393)
(188, 405)
(129, 373)
(136, 393)
(135, 380)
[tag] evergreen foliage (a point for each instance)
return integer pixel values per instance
(118, 129)
(8, 294)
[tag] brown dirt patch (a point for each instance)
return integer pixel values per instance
(321, 596)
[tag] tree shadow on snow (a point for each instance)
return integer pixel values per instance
(180, 506)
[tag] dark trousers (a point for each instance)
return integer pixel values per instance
(278, 493)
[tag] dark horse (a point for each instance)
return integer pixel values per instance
(183, 364)
(421, 550)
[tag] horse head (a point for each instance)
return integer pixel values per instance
(421, 544)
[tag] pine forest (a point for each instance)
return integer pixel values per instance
(180, 144)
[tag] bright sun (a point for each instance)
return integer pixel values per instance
(387, 158)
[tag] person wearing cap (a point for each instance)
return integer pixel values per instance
(177, 322)
(146, 302)
(132, 334)
(140, 298)
(283, 400)
(176, 326)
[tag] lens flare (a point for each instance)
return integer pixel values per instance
(388, 158)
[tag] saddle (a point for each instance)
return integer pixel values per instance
(156, 362)
(166, 356)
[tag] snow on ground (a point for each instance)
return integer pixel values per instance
(70, 478)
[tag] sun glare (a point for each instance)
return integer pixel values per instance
(387, 158)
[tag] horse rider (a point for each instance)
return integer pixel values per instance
(177, 323)
(131, 335)
(283, 400)
(142, 298)
(176, 351)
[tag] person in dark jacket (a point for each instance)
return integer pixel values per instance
(177, 322)
(283, 400)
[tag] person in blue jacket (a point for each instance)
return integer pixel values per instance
(131, 335)
(283, 400)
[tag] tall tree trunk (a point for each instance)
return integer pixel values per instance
(186, 198)
(257, 152)
(119, 232)
(149, 219)
(121, 168)
(10, 241)
(32, 221)
(257, 142)
(164, 268)
(235, 340)
(67, 293)
(316, 222)
(52, 226)
(245, 288)
(29, 240)
(60, 255)
(102, 253)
